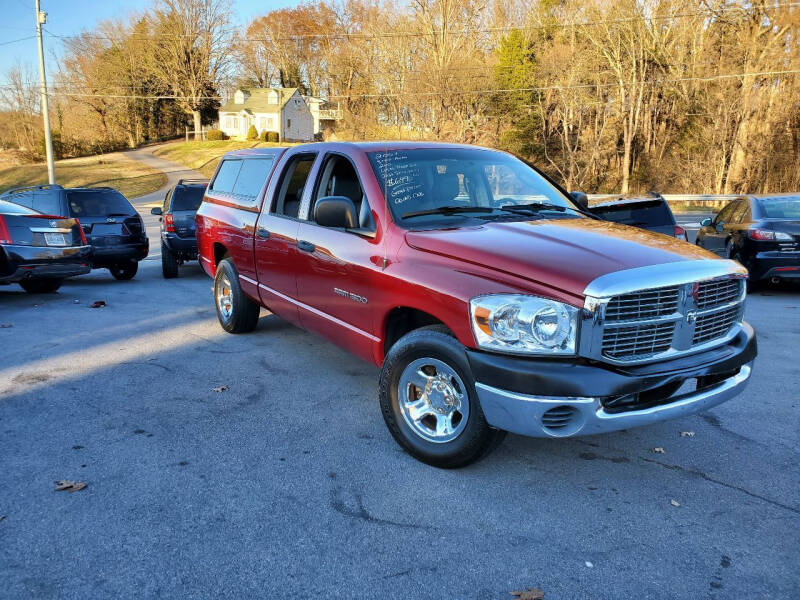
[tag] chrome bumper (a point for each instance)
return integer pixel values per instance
(523, 414)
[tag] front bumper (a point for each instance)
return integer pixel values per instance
(562, 399)
(43, 262)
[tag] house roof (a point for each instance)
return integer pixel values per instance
(257, 102)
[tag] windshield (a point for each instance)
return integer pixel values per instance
(98, 203)
(437, 183)
(188, 198)
(780, 208)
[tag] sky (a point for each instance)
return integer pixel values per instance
(69, 17)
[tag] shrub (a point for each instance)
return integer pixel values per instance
(272, 136)
(58, 146)
(262, 136)
(252, 133)
(215, 135)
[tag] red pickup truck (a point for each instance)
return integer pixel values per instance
(491, 301)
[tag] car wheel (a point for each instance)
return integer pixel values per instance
(235, 311)
(169, 264)
(429, 402)
(124, 271)
(41, 286)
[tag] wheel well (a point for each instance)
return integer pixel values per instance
(219, 252)
(403, 320)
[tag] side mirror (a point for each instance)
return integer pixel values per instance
(581, 199)
(335, 211)
(156, 210)
(705, 222)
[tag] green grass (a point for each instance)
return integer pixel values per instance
(130, 177)
(204, 156)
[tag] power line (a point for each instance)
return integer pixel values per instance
(30, 37)
(417, 34)
(654, 82)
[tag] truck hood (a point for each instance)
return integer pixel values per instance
(565, 254)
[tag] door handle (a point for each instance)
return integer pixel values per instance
(305, 246)
(262, 233)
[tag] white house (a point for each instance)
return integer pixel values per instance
(322, 111)
(282, 110)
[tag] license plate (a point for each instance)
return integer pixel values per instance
(55, 239)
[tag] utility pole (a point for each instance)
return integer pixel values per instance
(41, 19)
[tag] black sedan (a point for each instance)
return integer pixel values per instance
(39, 251)
(761, 232)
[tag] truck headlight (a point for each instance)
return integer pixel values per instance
(524, 324)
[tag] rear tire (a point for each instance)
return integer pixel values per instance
(41, 286)
(169, 264)
(235, 311)
(446, 394)
(124, 271)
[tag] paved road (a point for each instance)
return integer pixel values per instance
(287, 483)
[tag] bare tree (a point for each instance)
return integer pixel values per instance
(191, 49)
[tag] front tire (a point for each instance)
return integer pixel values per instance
(41, 286)
(124, 271)
(235, 311)
(169, 264)
(429, 402)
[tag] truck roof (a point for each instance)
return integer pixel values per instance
(361, 146)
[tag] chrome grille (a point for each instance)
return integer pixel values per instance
(643, 305)
(666, 321)
(715, 325)
(638, 340)
(716, 293)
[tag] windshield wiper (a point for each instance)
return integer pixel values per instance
(448, 210)
(534, 207)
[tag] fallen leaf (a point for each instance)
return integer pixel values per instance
(674, 503)
(98, 304)
(5, 325)
(3, 517)
(219, 389)
(69, 486)
(687, 433)
(589, 564)
(658, 450)
(528, 594)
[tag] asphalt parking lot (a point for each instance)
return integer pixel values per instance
(284, 482)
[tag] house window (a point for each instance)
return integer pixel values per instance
(236, 122)
(263, 121)
(271, 124)
(228, 122)
(288, 123)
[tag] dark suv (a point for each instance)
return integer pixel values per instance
(178, 242)
(111, 224)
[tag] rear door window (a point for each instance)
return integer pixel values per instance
(226, 176)
(98, 203)
(290, 191)
(252, 175)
